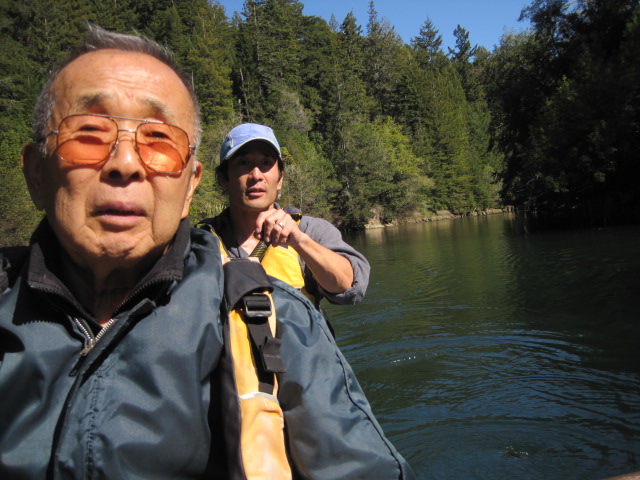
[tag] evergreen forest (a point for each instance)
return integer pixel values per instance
(374, 130)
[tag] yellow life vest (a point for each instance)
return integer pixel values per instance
(251, 362)
(282, 263)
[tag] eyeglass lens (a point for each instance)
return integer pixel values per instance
(88, 140)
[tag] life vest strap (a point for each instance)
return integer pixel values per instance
(257, 310)
(243, 277)
(247, 291)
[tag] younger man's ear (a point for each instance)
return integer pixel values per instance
(223, 181)
(31, 163)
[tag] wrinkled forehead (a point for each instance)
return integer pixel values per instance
(128, 84)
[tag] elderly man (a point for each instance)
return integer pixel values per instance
(109, 328)
(319, 262)
(111, 343)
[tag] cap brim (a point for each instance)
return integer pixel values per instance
(233, 151)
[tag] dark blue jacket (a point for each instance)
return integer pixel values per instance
(138, 405)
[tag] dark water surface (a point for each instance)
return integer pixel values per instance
(490, 354)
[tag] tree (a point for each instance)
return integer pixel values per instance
(343, 88)
(519, 81)
(381, 180)
(267, 53)
(317, 47)
(383, 54)
(309, 183)
(462, 59)
(562, 98)
(209, 58)
(427, 46)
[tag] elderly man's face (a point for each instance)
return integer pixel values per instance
(117, 211)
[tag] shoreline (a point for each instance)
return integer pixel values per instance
(439, 215)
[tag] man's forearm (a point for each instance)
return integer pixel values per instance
(332, 271)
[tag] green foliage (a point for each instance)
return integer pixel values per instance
(308, 177)
(267, 58)
(208, 200)
(427, 46)
(374, 130)
(379, 174)
(565, 105)
(209, 59)
(18, 218)
(20, 75)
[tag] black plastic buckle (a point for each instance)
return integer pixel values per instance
(256, 305)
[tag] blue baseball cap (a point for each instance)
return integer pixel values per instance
(243, 134)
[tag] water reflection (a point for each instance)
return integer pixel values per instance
(491, 354)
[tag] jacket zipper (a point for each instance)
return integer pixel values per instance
(90, 339)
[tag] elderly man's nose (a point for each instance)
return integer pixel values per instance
(124, 162)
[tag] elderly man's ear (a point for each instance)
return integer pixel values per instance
(194, 181)
(31, 161)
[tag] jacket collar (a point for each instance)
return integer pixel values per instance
(47, 264)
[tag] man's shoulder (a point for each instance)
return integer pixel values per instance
(11, 261)
(219, 223)
(307, 222)
(318, 227)
(202, 238)
(12, 253)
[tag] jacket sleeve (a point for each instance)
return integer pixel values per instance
(330, 427)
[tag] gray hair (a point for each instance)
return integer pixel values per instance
(99, 39)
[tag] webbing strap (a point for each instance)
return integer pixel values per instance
(257, 310)
(246, 292)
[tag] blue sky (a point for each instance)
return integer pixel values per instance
(485, 20)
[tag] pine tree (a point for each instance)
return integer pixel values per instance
(428, 45)
(267, 54)
(383, 53)
(462, 59)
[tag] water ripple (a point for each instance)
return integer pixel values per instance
(492, 355)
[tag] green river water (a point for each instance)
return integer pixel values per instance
(490, 353)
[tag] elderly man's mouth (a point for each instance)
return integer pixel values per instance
(119, 216)
(125, 209)
(117, 212)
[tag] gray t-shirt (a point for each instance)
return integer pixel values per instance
(325, 234)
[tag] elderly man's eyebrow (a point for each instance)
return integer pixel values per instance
(92, 101)
(157, 110)
(151, 107)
